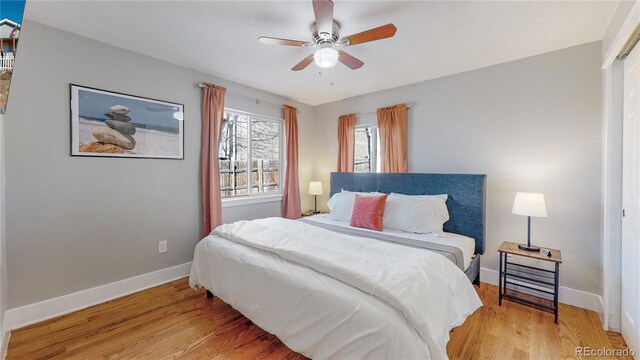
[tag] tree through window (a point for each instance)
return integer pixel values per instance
(249, 140)
(366, 154)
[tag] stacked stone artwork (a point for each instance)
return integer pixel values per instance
(118, 130)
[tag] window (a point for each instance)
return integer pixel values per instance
(250, 155)
(367, 153)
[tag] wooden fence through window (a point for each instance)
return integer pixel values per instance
(265, 176)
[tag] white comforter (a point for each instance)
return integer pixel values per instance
(328, 295)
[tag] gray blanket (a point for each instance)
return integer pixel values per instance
(450, 252)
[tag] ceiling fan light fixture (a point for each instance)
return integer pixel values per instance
(326, 40)
(326, 57)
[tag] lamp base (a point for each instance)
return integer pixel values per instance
(526, 247)
(315, 211)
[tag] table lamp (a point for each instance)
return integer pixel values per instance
(529, 204)
(315, 189)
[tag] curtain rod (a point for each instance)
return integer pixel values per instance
(256, 100)
(374, 112)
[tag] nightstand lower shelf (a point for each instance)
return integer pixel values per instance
(542, 285)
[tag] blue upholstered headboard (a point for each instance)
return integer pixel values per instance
(466, 203)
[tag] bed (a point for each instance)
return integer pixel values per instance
(466, 202)
(333, 295)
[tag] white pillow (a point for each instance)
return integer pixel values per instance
(341, 204)
(416, 213)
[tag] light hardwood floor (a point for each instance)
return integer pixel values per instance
(173, 321)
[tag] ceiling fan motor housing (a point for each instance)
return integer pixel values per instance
(322, 38)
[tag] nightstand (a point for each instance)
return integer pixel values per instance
(541, 282)
(310, 213)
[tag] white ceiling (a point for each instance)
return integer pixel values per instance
(434, 39)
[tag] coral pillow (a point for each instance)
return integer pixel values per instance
(368, 212)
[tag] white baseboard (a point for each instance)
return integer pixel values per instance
(603, 317)
(614, 323)
(566, 295)
(33, 313)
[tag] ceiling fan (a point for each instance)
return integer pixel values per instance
(327, 40)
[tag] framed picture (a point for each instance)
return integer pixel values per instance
(110, 124)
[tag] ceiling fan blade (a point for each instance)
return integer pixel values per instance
(352, 62)
(381, 32)
(277, 41)
(323, 9)
(303, 64)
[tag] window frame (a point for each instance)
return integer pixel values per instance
(250, 197)
(375, 150)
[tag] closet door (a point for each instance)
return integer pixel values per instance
(630, 300)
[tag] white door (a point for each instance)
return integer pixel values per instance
(630, 301)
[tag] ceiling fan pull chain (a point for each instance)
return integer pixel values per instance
(332, 77)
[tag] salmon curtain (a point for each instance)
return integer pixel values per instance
(346, 142)
(212, 115)
(392, 125)
(291, 208)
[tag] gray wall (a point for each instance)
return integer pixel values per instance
(531, 125)
(76, 223)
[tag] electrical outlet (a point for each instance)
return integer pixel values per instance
(162, 247)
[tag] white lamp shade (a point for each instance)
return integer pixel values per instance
(315, 188)
(529, 204)
(326, 57)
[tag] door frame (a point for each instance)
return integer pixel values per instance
(611, 173)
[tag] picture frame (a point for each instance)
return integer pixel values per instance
(117, 125)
